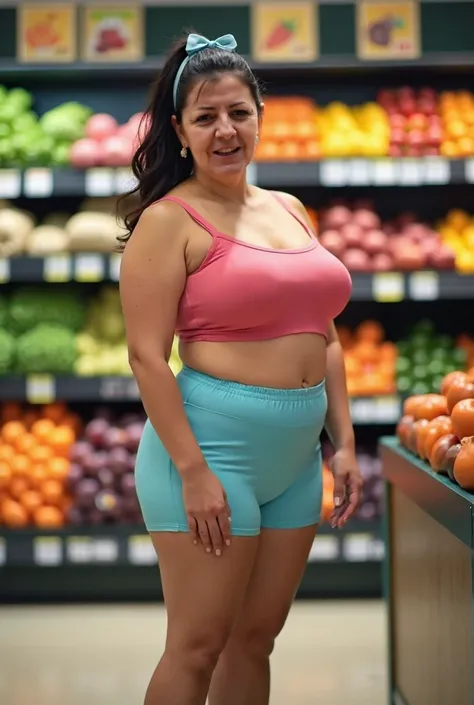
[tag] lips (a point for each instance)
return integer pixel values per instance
(227, 152)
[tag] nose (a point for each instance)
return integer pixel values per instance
(225, 128)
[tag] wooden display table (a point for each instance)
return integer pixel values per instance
(428, 583)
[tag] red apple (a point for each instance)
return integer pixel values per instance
(417, 121)
(416, 138)
(414, 151)
(431, 151)
(434, 135)
(406, 92)
(407, 106)
(397, 136)
(397, 120)
(427, 107)
(395, 151)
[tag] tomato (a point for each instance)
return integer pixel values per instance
(463, 418)
(451, 456)
(436, 428)
(416, 430)
(438, 456)
(464, 464)
(460, 389)
(432, 406)
(410, 404)
(449, 379)
(404, 427)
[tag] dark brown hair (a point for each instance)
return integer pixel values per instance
(157, 164)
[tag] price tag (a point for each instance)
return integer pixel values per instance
(410, 172)
(57, 268)
(357, 547)
(468, 171)
(114, 267)
(38, 183)
(125, 180)
(388, 287)
(324, 548)
(79, 549)
(437, 171)
(100, 182)
(141, 551)
(387, 409)
(47, 550)
(377, 549)
(119, 388)
(105, 550)
(40, 389)
(3, 551)
(333, 173)
(4, 271)
(252, 173)
(362, 411)
(423, 286)
(89, 268)
(358, 172)
(383, 172)
(10, 183)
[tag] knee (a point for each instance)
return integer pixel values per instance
(258, 639)
(199, 653)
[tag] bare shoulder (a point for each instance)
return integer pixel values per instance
(161, 222)
(296, 205)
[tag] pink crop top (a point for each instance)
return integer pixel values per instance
(244, 292)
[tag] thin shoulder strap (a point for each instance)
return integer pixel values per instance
(295, 215)
(193, 213)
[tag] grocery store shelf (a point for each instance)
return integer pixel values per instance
(333, 173)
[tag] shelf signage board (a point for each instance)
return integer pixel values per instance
(112, 33)
(284, 32)
(46, 33)
(388, 30)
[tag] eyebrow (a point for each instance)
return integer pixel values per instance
(212, 107)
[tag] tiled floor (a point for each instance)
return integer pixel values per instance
(330, 653)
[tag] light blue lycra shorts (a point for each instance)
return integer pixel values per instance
(262, 443)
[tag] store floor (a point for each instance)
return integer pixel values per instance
(331, 653)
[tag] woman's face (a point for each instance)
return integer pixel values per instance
(220, 124)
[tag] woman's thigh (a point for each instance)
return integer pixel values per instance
(203, 593)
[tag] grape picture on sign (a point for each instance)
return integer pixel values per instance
(112, 34)
(388, 30)
(285, 33)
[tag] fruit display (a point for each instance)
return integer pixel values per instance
(106, 143)
(290, 130)
(424, 358)
(353, 131)
(439, 427)
(457, 233)
(94, 228)
(457, 115)
(416, 127)
(35, 444)
(101, 478)
(369, 359)
(29, 140)
(356, 235)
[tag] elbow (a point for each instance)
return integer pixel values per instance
(140, 357)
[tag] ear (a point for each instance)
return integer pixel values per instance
(178, 130)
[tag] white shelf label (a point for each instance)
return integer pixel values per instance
(119, 388)
(125, 180)
(410, 172)
(363, 410)
(141, 551)
(79, 549)
(324, 548)
(358, 172)
(3, 551)
(4, 271)
(38, 183)
(387, 409)
(57, 268)
(437, 171)
(40, 389)
(105, 550)
(468, 171)
(114, 267)
(356, 547)
(333, 173)
(47, 550)
(100, 182)
(10, 183)
(388, 287)
(424, 286)
(383, 172)
(89, 268)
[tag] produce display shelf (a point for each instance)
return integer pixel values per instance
(45, 388)
(90, 267)
(44, 182)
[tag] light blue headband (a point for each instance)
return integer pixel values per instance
(197, 43)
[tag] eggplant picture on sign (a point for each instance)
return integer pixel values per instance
(112, 34)
(388, 30)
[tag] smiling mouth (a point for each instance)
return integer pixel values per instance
(226, 152)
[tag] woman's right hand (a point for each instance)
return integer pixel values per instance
(207, 511)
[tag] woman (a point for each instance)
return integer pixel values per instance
(228, 471)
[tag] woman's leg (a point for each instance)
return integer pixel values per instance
(242, 675)
(203, 595)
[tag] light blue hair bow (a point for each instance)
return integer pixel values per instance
(197, 43)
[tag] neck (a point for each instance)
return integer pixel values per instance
(236, 190)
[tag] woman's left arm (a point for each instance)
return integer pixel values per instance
(347, 478)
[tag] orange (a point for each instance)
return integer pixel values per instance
(7, 453)
(371, 331)
(25, 443)
(20, 465)
(61, 439)
(38, 475)
(18, 486)
(40, 454)
(42, 430)
(29, 418)
(31, 500)
(52, 491)
(13, 514)
(449, 149)
(55, 411)
(58, 469)
(12, 430)
(48, 518)
(5, 475)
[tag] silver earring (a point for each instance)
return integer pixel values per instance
(256, 139)
(184, 152)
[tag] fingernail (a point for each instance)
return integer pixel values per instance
(227, 543)
(218, 551)
(337, 501)
(208, 550)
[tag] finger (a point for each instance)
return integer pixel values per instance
(353, 503)
(216, 535)
(224, 525)
(193, 530)
(339, 490)
(204, 535)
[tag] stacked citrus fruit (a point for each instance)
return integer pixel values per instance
(369, 360)
(457, 113)
(457, 232)
(290, 131)
(34, 465)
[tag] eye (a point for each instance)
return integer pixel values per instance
(203, 118)
(241, 113)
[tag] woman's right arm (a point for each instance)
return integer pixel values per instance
(152, 280)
